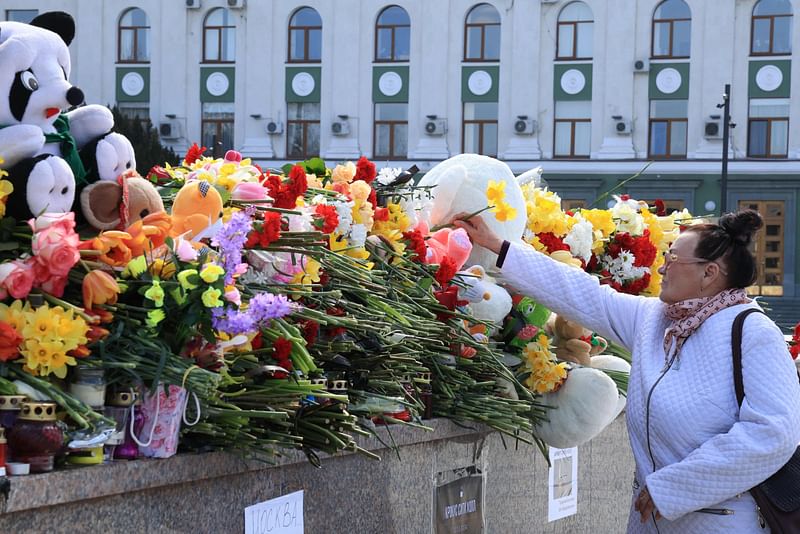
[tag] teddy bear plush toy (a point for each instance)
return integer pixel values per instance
(39, 143)
(573, 342)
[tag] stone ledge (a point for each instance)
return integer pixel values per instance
(83, 483)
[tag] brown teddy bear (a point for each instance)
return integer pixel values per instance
(574, 343)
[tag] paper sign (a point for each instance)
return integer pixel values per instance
(283, 515)
(458, 501)
(562, 493)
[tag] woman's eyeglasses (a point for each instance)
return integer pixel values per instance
(671, 257)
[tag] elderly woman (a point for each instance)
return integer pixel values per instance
(697, 453)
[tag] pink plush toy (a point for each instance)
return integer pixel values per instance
(447, 242)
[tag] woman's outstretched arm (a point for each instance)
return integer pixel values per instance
(566, 290)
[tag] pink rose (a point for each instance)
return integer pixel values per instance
(16, 278)
(57, 250)
(55, 286)
(64, 221)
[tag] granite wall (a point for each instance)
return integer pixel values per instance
(350, 494)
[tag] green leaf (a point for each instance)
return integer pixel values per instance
(8, 245)
(315, 166)
(224, 193)
(286, 168)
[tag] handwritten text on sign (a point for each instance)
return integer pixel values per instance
(283, 515)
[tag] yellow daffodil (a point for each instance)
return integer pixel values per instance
(545, 374)
(398, 220)
(211, 298)
(211, 273)
(309, 275)
(495, 192)
(503, 212)
(154, 317)
(155, 293)
(41, 324)
(59, 362)
(15, 314)
(185, 279)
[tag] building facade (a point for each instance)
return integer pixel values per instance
(592, 90)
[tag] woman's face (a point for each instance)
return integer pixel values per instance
(682, 272)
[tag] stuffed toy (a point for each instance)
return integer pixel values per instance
(196, 211)
(488, 301)
(454, 244)
(116, 204)
(573, 342)
(39, 144)
(108, 157)
(460, 184)
(581, 408)
(526, 319)
(613, 363)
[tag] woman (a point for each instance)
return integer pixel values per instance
(697, 454)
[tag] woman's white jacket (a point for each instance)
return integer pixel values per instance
(693, 447)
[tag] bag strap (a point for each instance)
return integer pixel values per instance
(736, 342)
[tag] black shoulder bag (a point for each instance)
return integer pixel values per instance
(778, 497)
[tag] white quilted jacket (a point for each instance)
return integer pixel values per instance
(703, 451)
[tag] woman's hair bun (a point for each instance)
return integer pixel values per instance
(741, 225)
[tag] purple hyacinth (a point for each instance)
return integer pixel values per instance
(230, 240)
(232, 321)
(267, 306)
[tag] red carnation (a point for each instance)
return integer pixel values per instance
(194, 153)
(446, 271)
(551, 242)
(417, 244)
(310, 331)
(283, 350)
(365, 170)
(328, 219)
(661, 209)
(298, 181)
(257, 342)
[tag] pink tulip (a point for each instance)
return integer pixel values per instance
(249, 191)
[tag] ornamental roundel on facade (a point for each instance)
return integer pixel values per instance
(132, 84)
(479, 82)
(573, 81)
(217, 84)
(769, 78)
(303, 84)
(668, 80)
(390, 83)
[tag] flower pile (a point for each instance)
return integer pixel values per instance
(623, 245)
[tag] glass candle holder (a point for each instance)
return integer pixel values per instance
(10, 406)
(89, 386)
(36, 437)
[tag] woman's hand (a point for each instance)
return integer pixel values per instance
(479, 232)
(644, 505)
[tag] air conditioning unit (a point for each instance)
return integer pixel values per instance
(236, 4)
(641, 65)
(340, 127)
(712, 129)
(274, 127)
(169, 129)
(623, 127)
(525, 126)
(192, 4)
(436, 126)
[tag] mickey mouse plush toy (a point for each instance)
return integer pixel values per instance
(39, 143)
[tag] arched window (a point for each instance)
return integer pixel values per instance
(771, 28)
(393, 35)
(575, 32)
(672, 30)
(482, 34)
(133, 37)
(305, 36)
(219, 37)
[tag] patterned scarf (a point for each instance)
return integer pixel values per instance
(688, 315)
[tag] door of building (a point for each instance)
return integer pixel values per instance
(768, 247)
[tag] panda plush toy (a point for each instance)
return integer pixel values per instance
(39, 144)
